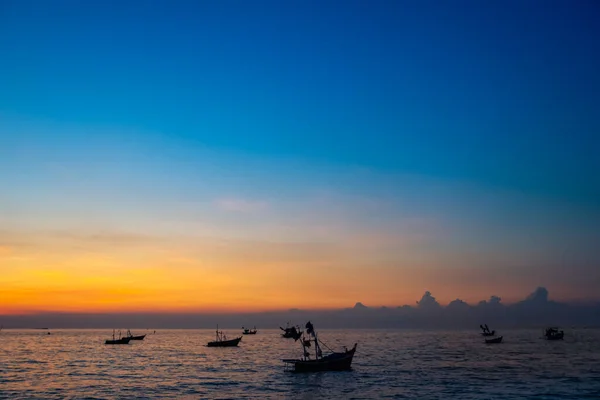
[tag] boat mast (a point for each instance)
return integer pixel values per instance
(305, 353)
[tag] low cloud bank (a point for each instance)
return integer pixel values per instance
(536, 310)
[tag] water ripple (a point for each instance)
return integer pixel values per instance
(400, 364)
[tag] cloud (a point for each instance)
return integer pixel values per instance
(457, 304)
(457, 314)
(428, 302)
(540, 295)
(240, 205)
(58, 241)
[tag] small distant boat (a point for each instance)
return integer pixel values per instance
(291, 332)
(132, 337)
(247, 331)
(120, 340)
(335, 361)
(222, 340)
(486, 330)
(554, 334)
(494, 340)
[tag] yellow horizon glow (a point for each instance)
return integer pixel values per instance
(125, 274)
(238, 277)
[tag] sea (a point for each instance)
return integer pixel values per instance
(392, 364)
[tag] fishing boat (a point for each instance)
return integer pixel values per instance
(247, 331)
(494, 340)
(222, 340)
(486, 331)
(334, 361)
(291, 332)
(120, 340)
(554, 334)
(132, 337)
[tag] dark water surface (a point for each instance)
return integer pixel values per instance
(388, 364)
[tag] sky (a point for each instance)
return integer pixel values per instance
(241, 156)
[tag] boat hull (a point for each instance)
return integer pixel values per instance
(332, 362)
(140, 337)
(494, 340)
(249, 333)
(225, 343)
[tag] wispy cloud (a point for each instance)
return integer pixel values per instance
(31, 240)
(240, 205)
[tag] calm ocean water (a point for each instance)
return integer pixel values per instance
(388, 364)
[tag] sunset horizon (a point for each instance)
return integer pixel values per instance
(221, 309)
(206, 157)
(319, 199)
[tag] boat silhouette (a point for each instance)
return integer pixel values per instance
(553, 333)
(334, 361)
(247, 331)
(132, 337)
(291, 332)
(120, 340)
(486, 330)
(494, 340)
(222, 341)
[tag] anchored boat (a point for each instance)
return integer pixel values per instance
(291, 332)
(120, 340)
(334, 361)
(554, 334)
(132, 337)
(247, 331)
(222, 341)
(494, 340)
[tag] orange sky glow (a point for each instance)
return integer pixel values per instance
(126, 273)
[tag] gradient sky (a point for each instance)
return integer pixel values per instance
(237, 155)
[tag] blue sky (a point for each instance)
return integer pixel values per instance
(470, 114)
